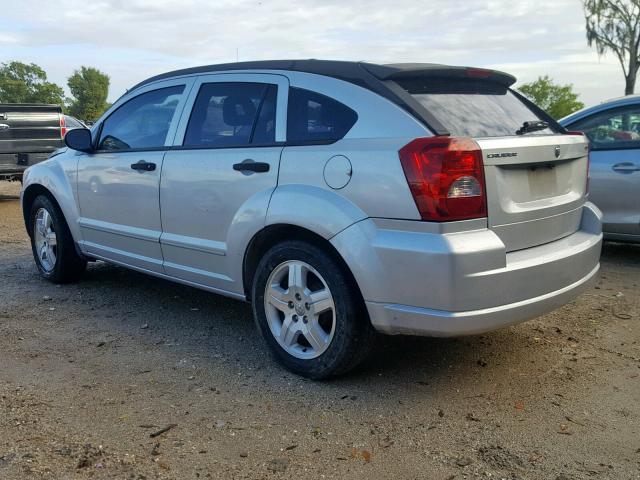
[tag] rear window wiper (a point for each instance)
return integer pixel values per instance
(532, 126)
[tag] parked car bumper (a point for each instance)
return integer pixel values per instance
(461, 283)
(16, 163)
(621, 237)
(404, 319)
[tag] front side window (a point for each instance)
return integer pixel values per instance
(142, 122)
(232, 114)
(313, 117)
(617, 128)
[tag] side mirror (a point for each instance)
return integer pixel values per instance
(79, 139)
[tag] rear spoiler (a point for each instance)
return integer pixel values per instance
(400, 71)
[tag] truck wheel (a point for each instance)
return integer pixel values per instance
(309, 312)
(52, 244)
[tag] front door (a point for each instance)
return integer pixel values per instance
(220, 174)
(119, 183)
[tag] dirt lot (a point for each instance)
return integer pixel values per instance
(91, 373)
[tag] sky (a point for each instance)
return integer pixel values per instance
(131, 40)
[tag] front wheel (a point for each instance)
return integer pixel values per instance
(52, 244)
(309, 312)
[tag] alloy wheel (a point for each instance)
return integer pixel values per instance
(45, 240)
(300, 309)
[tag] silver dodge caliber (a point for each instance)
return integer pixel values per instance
(340, 198)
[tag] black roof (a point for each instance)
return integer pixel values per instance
(354, 72)
(377, 78)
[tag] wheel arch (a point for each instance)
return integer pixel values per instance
(55, 177)
(271, 235)
(28, 197)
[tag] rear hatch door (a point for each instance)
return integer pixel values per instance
(535, 187)
(535, 178)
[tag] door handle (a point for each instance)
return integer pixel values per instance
(249, 165)
(144, 166)
(625, 167)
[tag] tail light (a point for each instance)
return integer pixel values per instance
(446, 178)
(63, 127)
(586, 139)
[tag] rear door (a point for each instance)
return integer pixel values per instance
(535, 180)
(220, 173)
(119, 183)
(615, 166)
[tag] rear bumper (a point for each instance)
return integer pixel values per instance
(459, 283)
(16, 163)
(403, 319)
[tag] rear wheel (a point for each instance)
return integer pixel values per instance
(52, 244)
(308, 311)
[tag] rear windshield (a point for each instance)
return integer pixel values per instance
(472, 108)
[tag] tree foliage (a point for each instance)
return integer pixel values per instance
(27, 83)
(614, 26)
(89, 88)
(557, 100)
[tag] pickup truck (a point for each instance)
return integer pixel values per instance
(29, 133)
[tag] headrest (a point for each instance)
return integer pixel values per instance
(238, 111)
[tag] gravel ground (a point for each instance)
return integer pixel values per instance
(130, 377)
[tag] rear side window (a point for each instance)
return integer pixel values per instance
(614, 129)
(313, 117)
(471, 107)
(232, 114)
(142, 122)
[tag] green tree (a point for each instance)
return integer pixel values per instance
(89, 88)
(557, 100)
(27, 83)
(614, 25)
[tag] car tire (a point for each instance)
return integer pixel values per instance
(52, 245)
(309, 311)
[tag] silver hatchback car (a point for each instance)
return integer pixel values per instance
(340, 198)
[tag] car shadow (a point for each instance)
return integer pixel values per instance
(210, 326)
(9, 190)
(627, 254)
(9, 197)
